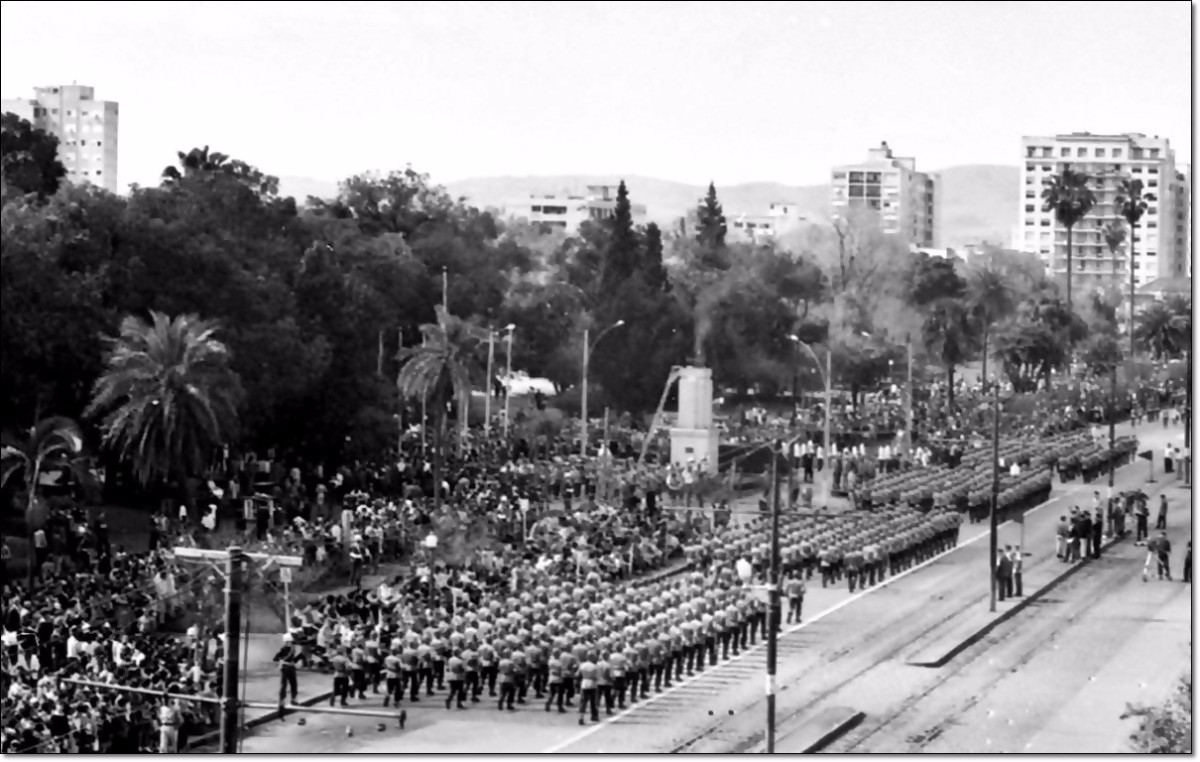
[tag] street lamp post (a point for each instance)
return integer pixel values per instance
(583, 408)
(487, 398)
(508, 375)
(431, 543)
(773, 612)
(826, 379)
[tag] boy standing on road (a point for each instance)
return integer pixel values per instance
(1161, 521)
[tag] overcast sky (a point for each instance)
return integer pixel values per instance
(687, 91)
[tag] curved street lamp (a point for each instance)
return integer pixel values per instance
(587, 354)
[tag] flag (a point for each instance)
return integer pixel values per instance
(1147, 455)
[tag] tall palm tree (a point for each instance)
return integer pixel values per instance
(1115, 234)
(194, 162)
(439, 370)
(991, 298)
(167, 396)
(1132, 203)
(947, 335)
(1067, 195)
(51, 444)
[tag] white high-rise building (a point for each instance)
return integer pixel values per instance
(85, 127)
(892, 188)
(1160, 247)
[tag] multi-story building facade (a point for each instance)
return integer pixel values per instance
(1182, 224)
(891, 188)
(780, 217)
(85, 127)
(566, 211)
(1108, 159)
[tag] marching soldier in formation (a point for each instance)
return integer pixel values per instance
(596, 642)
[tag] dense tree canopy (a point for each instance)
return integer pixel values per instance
(320, 305)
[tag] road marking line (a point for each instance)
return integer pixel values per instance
(588, 732)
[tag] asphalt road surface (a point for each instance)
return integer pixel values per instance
(851, 652)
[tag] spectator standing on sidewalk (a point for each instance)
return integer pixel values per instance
(1143, 521)
(1004, 572)
(1161, 521)
(1097, 533)
(1062, 539)
(1017, 562)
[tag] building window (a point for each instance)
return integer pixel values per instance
(839, 175)
(1116, 153)
(1152, 184)
(97, 171)
(1030, 194)
(1030, 208)
(1152, 253)
(1064, 151)
(856, 177)
(1152, 210)
(1153, 153)
(1080, 151)
(1028, 221)
(1099, 153)
(1047, 152)
(535, 208)
(1045, 223)
(1030, 167)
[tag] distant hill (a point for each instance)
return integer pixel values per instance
(978, 202)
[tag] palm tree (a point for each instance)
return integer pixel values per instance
(991, 298)
(167, 396)
(1165, 328)
(439, 370)
(1067, 195)
(1131, 204)
(947, 336)
(1115, 234)
(194, 162)
(50, 445)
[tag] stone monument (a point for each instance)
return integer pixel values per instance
(694, 437)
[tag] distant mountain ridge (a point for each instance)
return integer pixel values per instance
(977, 202)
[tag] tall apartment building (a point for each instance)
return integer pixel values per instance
(892, 188)
(1182, 223)
(85, 127)
(566, 210)
(1161, 242)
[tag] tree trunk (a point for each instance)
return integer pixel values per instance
(1070, 304)
(1132, 234)
(439, 437)
(985, 353)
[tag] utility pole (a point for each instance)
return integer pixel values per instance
(583, 410)
(908, 413)
(1112, 438)
(773, 601)
(487, 390)
(995, 518)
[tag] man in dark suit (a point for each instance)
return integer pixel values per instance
(1097, 533)
(1004, 570)
(1085, 534)
(1163, 551)
(1187, 564)
(1018, 559)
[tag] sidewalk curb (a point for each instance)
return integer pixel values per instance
(757, 745)
(1020, 606)
(1003, 617)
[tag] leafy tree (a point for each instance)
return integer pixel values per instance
(621, 256)
(29, 158)
(1070, 198)
(651, 267)
(168, 398)
(1037, 340)
(990, 299)
(549, 319)
(710, 225)
(1102, 354)
(947, 335)
(439, 371)
(796, 279)
(933, 279)
(1131, 203)
(195, 162)
(52, 444)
